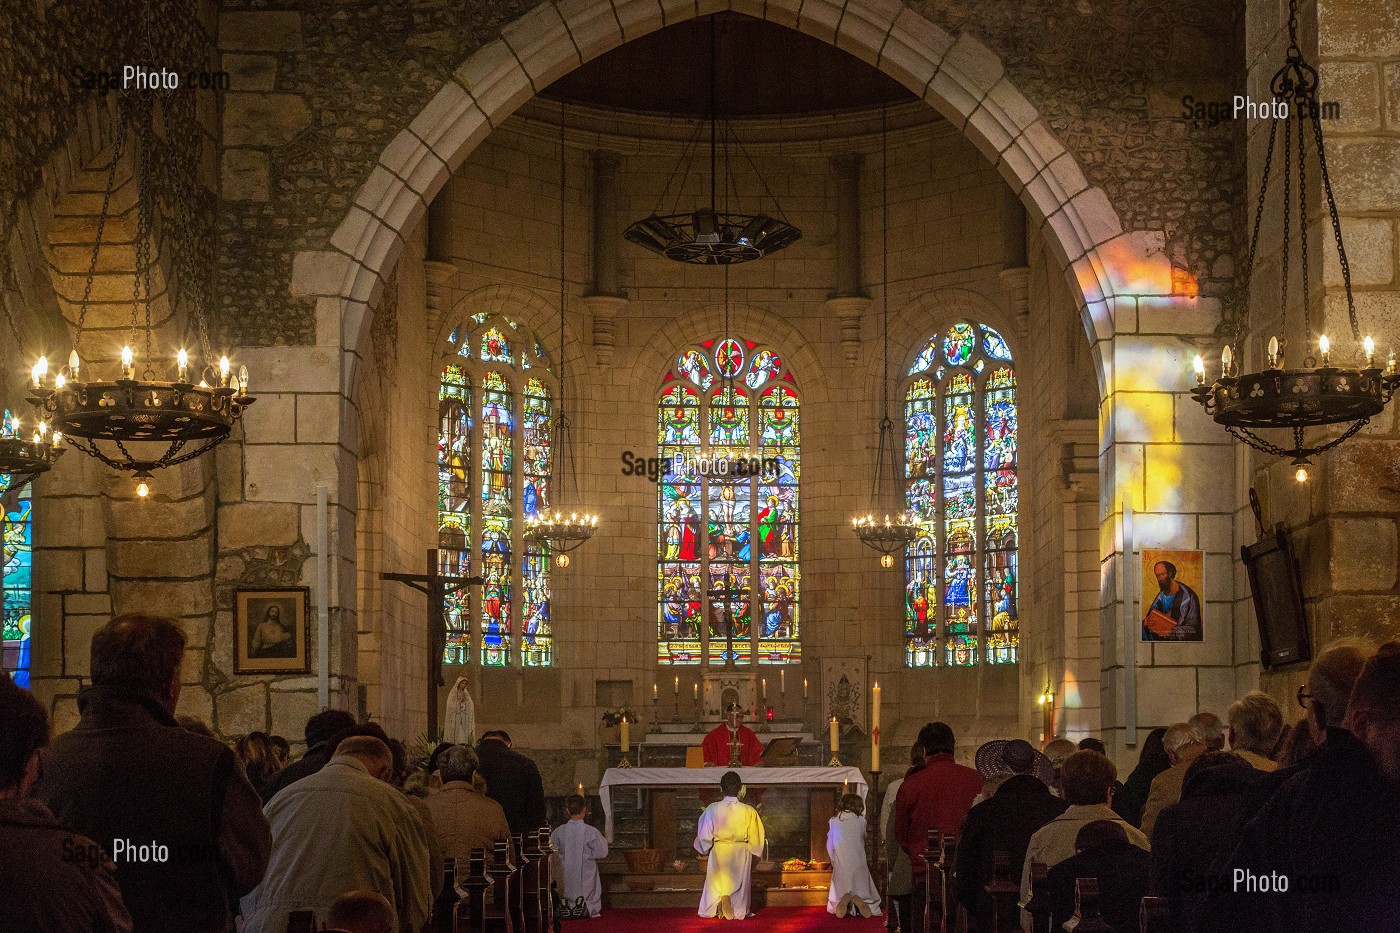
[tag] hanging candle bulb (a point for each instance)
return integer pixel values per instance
(59, 382)
(57, 438)
(73, 364)
(1302, 474)
(40, 370)
(1324, 346)
(1275, 360)
(182, 366)
(127, 365)
(223, 370)
(242, 380)
(143, 486)
(1227, 359)
(1369, 346)
(1199, 365)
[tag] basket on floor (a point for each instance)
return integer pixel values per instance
(643, 861)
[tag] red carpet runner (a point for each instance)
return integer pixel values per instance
(768, 920)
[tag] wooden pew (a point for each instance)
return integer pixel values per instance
(545, 844)
(1004, 892)
(946, 864)
(933, 901)
(1155, 915)
(470, 915)
(501, 904)
(531, 860)
(1087, 918)
(445, 906)
(1039, 906)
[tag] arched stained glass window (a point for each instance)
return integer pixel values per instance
(495, 469)
(960, 460)
(728, 577)
(17, 589)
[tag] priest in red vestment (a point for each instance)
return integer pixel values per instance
(716, 746)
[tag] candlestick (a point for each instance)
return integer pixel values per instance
(626, 741)
(696, 685)
(875, 729)
(782, 683)
(763, 684)
(677, 689)
(653, 693)
(804, 688)
(835, 744)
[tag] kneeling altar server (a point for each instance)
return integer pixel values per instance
(731, 834)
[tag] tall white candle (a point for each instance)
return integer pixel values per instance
(875, 729)
(626, 734)
(833, 735)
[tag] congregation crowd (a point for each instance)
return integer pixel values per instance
(1246, 824)
(139, 820)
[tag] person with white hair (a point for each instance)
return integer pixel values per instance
(343, 829)
(1256, 721)
(1182, 743)
(1212, 729)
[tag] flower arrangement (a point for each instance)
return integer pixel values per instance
(613, 717)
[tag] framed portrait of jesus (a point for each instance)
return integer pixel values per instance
(271, 631)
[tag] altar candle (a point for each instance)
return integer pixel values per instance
(653, 693)
(626, 734)
(804, 688)
(782, 682)
(580, 790)
(677, 690)
(696, 685)
(833, 735)
(764, 684)
(875, 730)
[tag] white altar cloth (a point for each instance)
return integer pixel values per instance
(709, 777)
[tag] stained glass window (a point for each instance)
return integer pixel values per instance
(495, 417)
(18, 567)
(728, 576)
(960, 462)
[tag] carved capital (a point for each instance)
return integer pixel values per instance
(439, 275)
(848, 311)
(605, 310)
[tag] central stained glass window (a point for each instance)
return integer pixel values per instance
(727, 561)
(960, 449)
(495, 469)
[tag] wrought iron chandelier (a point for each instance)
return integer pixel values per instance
(23, 456)
(1321, 392)
(190, 404)
(899, 527)
(714, 235)
(551, 528)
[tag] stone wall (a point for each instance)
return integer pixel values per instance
(1344, 519)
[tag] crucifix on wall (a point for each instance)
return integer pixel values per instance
(435, 585)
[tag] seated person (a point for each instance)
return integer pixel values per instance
(361, 912)
(578, 848)
(1102, 851)
(717, 746)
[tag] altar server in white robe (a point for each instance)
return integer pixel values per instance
(851, 884)
(731, 834)
(579, 847)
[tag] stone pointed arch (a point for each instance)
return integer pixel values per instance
(956, 74)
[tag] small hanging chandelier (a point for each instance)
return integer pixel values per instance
(24, 455)
(1321, 392)
(898, 527)
(550, 528)
(191, 404)
(714, 235)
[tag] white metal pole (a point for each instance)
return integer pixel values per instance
(1130, 629)
(323, 600)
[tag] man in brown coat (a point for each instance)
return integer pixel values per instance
(463, 817)
(55, 880)
(1183, 742)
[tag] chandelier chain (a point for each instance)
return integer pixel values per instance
(1287, 221)
(118, 150)
(1336, 219)
(1303, 231)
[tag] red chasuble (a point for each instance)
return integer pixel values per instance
(716, 746)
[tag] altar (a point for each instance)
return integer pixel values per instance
(666, 795)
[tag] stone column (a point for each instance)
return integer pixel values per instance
(848, 301)
(439, 275)
(605, 300)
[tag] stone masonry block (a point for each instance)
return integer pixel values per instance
(250, 72)
(318, 419)
(275, 31)
(593, 26)
(134, 560)
(252, 524)
(1363, 554)
(1358, 27)
(1370, 243)
(263, 119)
(242, 710)
(245, 175)
(537, 39)
(145, 519)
